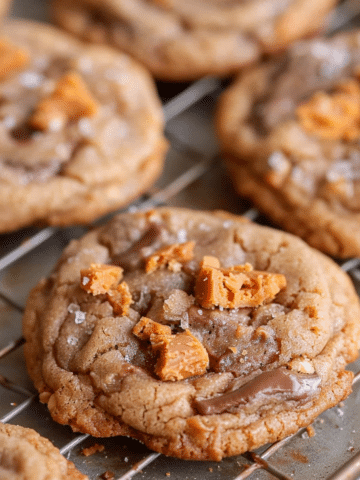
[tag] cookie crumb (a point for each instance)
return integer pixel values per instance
(108, 475)
(97, 447)
(168, 474)
(210, 469)
(311, 431)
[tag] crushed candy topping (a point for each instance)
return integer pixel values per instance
(69, 101)
(171, 256)
(12, 58)
(236, 287)
(99, 278)
(120, 299)
(333, 116)
(181, 355)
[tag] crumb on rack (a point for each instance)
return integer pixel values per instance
(97, 447)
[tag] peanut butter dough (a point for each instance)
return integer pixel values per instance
(191, 381)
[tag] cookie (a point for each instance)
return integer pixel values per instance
(81, 128)
(25, 455)
(199, 333)
(184, 40)
(289, 134)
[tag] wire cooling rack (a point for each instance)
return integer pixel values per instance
(193, 177)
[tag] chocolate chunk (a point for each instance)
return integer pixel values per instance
(133, 257)
(288, 385)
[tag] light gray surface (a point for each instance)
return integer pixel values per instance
(337, 431)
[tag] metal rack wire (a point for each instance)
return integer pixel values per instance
(332, 454)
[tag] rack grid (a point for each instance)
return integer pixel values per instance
(194, 178)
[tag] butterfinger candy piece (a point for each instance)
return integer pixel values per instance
(236, 287)
(100, 278)
(146, 327)
(181, 356)
(120, 299)
(12, 58)
(178, 252)
(69, 101)
(334, 116)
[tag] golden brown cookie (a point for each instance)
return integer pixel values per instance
(186, 39)
(25, 455)
(239, 336)
(289, 131)
(81, 128)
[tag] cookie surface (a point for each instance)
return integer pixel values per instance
(81, 128)
(201, 334)
(25, 455)
(184, 40)
(291, 141)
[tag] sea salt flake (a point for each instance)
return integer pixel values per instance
(80, 317)
(9, 122)
(85, 64)
(72, 340)
(55, 124)
(86, 128)
(31, 79)
(278, 162)
(85, 280)
(182, 235)
(200, 312)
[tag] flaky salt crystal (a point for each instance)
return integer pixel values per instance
(80, 317)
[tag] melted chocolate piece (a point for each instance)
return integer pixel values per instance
(287, 384)
(132, 257)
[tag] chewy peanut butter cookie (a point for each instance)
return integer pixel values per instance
(290, 132)
(201, 334)
(25, 455)
(186, 39)
(81, 128)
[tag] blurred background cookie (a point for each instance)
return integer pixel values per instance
(289, 131)
(186, 39)
(25, 455)
(81, 128)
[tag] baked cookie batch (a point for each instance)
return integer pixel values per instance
(203, 335)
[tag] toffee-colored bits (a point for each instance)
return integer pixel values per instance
(172, 256)
(120, 299)
(236, 287)
(333, 116)
(99, 278)
(146, 327)
(180, 356)
(69, 101)
(12, 58)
